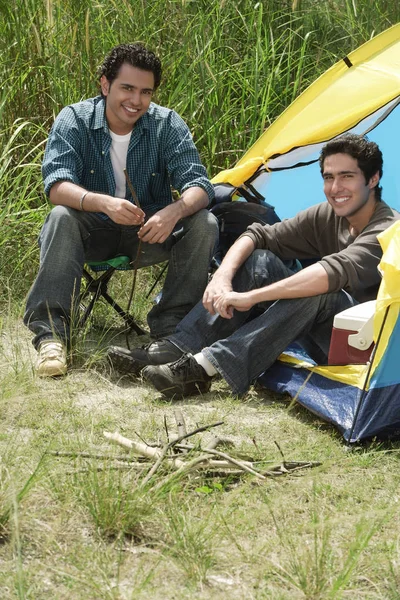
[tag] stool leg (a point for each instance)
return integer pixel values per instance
(98, 287)
(92, 287)
(129, 320)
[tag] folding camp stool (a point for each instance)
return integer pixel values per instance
(96, 288)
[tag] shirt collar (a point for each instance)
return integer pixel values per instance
(144, 121)
(100, 121)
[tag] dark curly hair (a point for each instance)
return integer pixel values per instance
(136, 55)
(367, 154)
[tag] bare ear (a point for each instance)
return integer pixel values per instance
(373, 182)
(105, 85)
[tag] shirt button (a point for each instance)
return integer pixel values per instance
(103, 152)
(153, 174)
(91, 170)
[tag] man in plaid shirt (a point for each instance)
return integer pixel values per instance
(96, 218)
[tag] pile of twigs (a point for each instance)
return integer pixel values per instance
(179, 456)
(182, 457)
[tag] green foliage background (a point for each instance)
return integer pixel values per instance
(230, 68)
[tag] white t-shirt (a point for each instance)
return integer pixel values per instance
(118, 153)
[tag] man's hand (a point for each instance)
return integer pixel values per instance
(122, 211)
(227, 302)
(160, 225)
(219, 285)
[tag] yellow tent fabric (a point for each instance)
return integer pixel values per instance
(389, 290)
(355, 92)
(349, 375)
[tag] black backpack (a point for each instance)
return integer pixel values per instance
(235, 216)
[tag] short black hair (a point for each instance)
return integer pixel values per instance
(136, 55)
(367, 154)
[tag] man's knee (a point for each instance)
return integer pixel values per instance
(62, 234)
(62, 213)
(60, 217)
(65, 222)
(264, 267)
(204, 224)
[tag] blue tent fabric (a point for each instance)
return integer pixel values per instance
(388, 372)
(357, 415)
(379, 415)
(332, 401)
(293, 181)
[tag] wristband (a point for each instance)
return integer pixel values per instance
(82, 199)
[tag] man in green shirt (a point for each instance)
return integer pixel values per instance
(95, 217)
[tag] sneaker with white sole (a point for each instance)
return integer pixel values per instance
(51, 360)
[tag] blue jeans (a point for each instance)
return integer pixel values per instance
(243, 347)
(69, 238)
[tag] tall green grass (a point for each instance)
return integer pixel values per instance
(230, 68)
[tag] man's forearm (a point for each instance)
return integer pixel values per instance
(192, 200)
(121, 211)
(66, 193)
(311, 281)
(237, 254)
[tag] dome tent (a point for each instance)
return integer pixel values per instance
(360, 94)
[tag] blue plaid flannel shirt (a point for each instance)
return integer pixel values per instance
(161, 154)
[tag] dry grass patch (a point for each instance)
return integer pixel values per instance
(80, 528)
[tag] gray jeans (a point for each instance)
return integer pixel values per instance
(69, 238)
(243, 347)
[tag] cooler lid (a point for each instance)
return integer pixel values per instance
(353, 318)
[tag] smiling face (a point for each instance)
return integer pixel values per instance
(347, 191)
(128, 97)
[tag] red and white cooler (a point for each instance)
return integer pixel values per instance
(352, 335)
